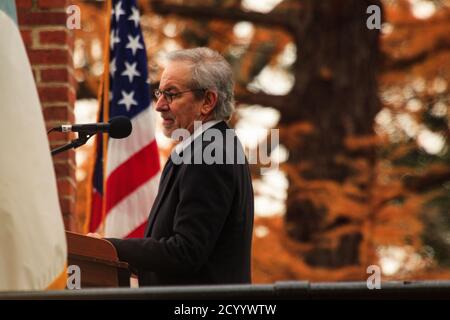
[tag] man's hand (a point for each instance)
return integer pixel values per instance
(94, 235)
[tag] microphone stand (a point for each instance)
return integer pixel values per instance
(81, 140)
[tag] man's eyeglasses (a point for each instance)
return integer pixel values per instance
(157, 93)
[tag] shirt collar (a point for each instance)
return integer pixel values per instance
(197, 131)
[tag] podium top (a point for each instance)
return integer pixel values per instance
(98, 260)
(82, 245)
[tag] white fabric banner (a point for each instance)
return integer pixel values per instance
(33, 251)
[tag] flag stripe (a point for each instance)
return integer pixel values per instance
(138, 232)
(96, 216)
(133, 210)
(131, 174)
(138, 139)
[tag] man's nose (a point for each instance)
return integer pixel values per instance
(161, 104)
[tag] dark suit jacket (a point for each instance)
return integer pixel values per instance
(200, 227)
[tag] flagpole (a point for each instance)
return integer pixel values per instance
(106, 113)
(103, 104)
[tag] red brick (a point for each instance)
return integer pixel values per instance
(41, 18)
(53, 94)
(57, 121)
(53, 66)
(62, 169)
(68, 220)
(68, 155)
(67, 205)
(48, 56)
(55, 75)
(66, 187)
(72, 96)
(68, 173)
(72, 81)
(60, 113)
(67, 162)
(52, 4)
(24, 4)
(53, 37)
(57, 139)
(26, 37)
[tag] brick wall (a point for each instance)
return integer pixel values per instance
(49, 46)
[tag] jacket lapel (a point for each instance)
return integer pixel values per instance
(165, 178)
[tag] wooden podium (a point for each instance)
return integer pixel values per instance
(98, 262)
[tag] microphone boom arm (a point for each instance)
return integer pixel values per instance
(81, 140)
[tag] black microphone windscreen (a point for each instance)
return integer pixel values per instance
(120, 127)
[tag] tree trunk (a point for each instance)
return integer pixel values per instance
(331, 153)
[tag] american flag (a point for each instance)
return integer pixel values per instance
(132, 164)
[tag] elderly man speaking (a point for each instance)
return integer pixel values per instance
(199, 229)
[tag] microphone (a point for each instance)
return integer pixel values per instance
(118, 127)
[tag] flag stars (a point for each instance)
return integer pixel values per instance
(118, 10)
(134, 44)
(114, 38)
(112, 67)
(131, 71)
(128, 99)
(134, 16)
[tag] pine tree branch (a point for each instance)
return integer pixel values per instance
(403, 64)
(426, 182)
(277, 102)
(284, 20)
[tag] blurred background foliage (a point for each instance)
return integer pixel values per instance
(363, 117)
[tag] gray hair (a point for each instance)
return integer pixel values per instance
(210, 71)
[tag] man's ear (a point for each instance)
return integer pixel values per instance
(209, 103)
